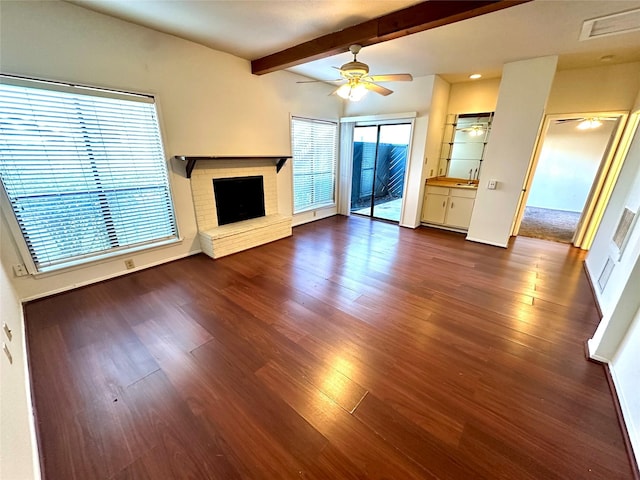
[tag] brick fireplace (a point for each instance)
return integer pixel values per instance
(220, 240)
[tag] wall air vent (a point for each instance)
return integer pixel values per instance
(605, 274)
(623, 22)
(623, 231)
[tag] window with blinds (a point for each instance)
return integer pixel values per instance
(84, 171)
(314, 145)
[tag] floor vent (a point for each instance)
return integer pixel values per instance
(623, 22)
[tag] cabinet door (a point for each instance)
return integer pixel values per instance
(434, 208)
(459, 212)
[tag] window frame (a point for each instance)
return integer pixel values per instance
(334, 201)
(80, 261)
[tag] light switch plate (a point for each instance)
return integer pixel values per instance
(7, 331)
(6, 351)
(492, 184)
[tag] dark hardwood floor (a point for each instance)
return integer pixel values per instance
(355, 349)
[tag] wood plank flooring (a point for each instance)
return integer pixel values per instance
(355, 349)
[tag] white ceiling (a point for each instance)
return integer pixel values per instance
(254, 28)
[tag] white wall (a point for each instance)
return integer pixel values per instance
(617, 338)
(523, 94)
(474, 97)
(209, 104)
(567, 165)
(599, 89)
(17, 441)
(625, 370)
(615, 321)
(435, 128)
(415, 96)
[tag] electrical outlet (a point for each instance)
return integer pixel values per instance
(493, 184)
(19, 270)
(129, 264)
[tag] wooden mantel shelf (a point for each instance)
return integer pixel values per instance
(190, 162)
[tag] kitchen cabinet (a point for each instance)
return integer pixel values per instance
(448, 206)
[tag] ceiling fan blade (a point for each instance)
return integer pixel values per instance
(392, 77)
(325, 81)
(377, 88)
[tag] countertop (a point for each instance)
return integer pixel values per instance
(452, 183)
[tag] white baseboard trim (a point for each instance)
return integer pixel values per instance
(108, 277)
(493, 244)
(313, 215)
(593, 355)
(633, 435)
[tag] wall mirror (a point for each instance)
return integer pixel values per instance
(463, 145)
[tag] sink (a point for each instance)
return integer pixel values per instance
(469, 185)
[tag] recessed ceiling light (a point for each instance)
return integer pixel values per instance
(475, 76)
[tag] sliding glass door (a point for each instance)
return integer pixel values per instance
(379, 163)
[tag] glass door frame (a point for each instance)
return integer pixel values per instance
(379, 123)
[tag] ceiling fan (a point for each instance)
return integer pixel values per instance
(357, 81)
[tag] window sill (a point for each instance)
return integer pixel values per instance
(316, 207)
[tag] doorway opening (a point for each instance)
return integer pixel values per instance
(379, 165)
(566, 176)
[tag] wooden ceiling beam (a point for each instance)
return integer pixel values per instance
(417, 18)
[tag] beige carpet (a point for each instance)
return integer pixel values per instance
(555, 225)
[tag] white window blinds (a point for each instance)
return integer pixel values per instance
(314, 163)
(84, 171)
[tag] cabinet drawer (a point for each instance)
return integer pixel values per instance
(438, 190)
(463, 192)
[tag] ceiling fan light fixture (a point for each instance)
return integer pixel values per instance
(589, 123)
(352, 91)
(476, 131)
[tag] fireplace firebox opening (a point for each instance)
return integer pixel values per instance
(238, 198)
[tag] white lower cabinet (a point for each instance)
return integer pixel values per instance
(450, 207)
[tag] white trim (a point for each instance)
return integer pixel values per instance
(412, 227)
(109, 276)
(81, 89)
(594, 356)
(16, 233)
(31, 419)
(21, 237)
(336, 170)
(405, 185)
(313, 215)
(345, 171)
(627, 414)
(380, 117)
(443, 227)
(493, 244)
(317, 207)
(106, 257)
